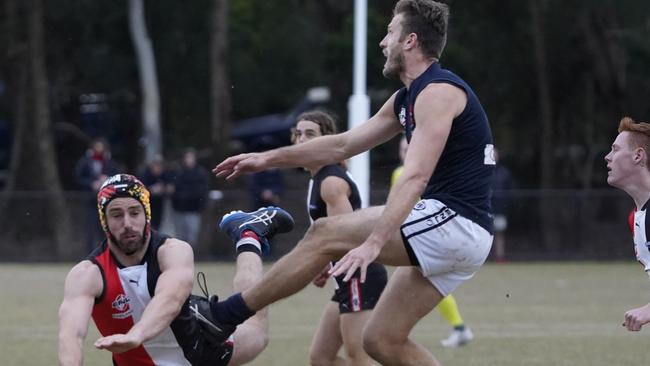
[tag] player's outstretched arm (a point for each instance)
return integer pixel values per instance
(82, 285)
(173, 288)
(237, 165)
(319, 151)
(334, 191)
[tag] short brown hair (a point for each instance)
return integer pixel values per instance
(325, 121)
(428, 19)
(640, 134)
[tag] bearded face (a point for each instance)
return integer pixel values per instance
(394, 65)
(130, 242)
(391, 47)
(126, 225)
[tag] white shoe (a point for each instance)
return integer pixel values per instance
(458, 338)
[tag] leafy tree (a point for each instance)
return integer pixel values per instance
(33, 170)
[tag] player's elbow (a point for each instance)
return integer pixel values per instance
(416, 180)
(176, 293)
(70, 345)
(345, 146)
(338, 152)
(185, 287)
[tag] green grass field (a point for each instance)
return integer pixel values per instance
(522, 314)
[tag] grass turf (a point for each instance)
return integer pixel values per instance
(521, 314)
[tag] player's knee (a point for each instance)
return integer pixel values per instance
(378, 346)
(262, 341)
(316, 234)
(373, 345)
(251, 344)
(357, 355)
(256, 345)
(318, 359)
(319, 227)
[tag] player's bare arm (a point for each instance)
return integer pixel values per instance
(173, 288)
(319, 151)
(335, 192)
(82, 285)
(435, 109)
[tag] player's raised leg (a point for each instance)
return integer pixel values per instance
(329, 238)
(251, 233)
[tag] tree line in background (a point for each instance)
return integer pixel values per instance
(554, 77)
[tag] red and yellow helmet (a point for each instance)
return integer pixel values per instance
(123, 185)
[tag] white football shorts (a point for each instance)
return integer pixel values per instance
(449, 248)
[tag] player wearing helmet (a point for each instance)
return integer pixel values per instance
(137, 287)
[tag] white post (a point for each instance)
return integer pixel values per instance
(359, 103)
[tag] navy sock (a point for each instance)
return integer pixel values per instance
(460, 327)
(232, 311)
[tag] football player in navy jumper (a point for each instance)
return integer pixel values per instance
(436, 225)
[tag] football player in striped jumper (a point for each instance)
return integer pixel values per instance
(136, 287)
(437, 222)
(628, 165)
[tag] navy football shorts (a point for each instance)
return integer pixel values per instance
(354, 296)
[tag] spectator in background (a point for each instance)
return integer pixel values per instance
(266, 187)
(95, 166)
(91, 171)
(189, 196)
(501, 185)
(156, 178)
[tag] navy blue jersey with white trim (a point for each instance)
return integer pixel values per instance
(317, 208)
(462, 178)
